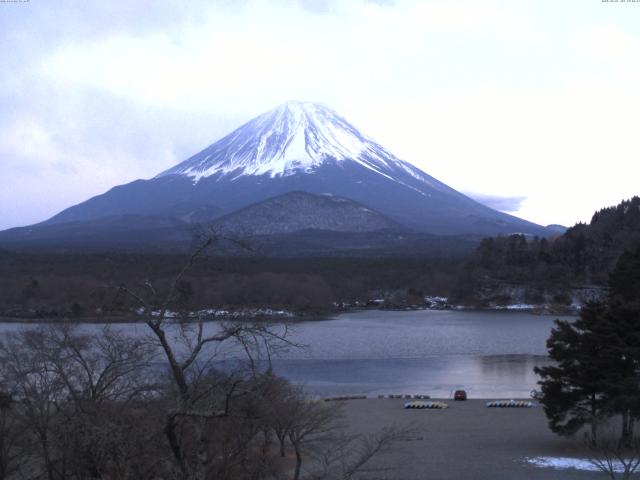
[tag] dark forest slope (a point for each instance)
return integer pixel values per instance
(582, 257)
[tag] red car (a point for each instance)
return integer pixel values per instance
(460, 395)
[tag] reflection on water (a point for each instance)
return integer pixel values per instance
(489, 354)
(511, 366)
(509, 376)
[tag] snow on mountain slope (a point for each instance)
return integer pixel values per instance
(294, 137)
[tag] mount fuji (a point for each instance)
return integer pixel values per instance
(296, 147)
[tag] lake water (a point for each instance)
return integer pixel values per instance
(489, 354)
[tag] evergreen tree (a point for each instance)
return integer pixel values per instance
(623, 342)
(584, 255)
(574, 388)
(597, 370)
(624, 281)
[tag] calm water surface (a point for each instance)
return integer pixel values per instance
(489, 354)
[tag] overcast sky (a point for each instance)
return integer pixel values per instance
(531, 106)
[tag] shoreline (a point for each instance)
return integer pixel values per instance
(124, 319)
(294, 317)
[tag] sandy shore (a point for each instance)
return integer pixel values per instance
(465, 441)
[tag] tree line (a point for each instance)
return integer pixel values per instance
(77, 286)
(584, 255)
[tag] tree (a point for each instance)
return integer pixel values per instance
(573, 388)
(310, 423)
(10, 435)
(26, 372)
(623, 340)
(71, 393)
(613, 458)
(280, 403)
(624, 281)
(597, 371)
(201, 395)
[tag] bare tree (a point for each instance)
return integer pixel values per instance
(311, 423)
(189, 351)
(347, 457)
(280, 404)
(315, 431)
(10, 435)
(98, 368)
(613, 457)
(71, 391)
(39, 392)
(103, 374)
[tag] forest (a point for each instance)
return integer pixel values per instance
(85, 286)
(548, 269)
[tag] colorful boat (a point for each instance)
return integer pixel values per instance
(425, 405)
(510, 404)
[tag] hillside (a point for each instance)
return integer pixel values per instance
(295, 211)
(516, 269)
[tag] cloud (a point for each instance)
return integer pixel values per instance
(261, 54)
(504, 204)
(607, 43)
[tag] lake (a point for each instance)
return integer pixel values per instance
(490, 354)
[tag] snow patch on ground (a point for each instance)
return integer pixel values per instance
(565, 463)
(516, 306)
(216, 314)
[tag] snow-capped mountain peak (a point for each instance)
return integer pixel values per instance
(293, 137)
(296, 147)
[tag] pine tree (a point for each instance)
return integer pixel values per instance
(597, 369)
(623, 341)
(574, 388)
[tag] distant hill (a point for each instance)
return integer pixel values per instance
(296, 224)
(555, 229)
(295, 211)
